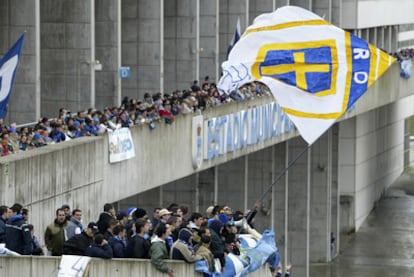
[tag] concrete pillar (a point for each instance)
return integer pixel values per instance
(231, 180)
(141, 46)
(346, 154)
(323, 8)
(298, 210)
(106, 52)
(180, 44)
(66, 42)
(208, 29)
(280, 193)
(321, 200)
(230, 10)
(258, 7)
(306, 4)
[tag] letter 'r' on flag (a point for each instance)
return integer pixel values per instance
(8, 68)
(235, 38)
(315, 71)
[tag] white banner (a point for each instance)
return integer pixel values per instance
(121, 146)
(73, 266)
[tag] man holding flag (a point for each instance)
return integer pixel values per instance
(8, 68)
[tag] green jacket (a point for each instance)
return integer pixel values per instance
(158, 252)
(55, 236)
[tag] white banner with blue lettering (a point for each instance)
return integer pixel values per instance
(73, 266)
(121, 146)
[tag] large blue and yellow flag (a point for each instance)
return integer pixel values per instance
(315, 71)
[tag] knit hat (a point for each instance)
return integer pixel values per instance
(131, 210)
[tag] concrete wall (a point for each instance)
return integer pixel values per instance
(355, 13)
(48, 266)
(371, 156)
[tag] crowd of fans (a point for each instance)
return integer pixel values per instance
(404, 54)
(152, 110)
(169, 233)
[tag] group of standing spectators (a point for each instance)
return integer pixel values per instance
(169, 233)
(153, 109)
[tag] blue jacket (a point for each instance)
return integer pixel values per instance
(99, 251)
(18, 236)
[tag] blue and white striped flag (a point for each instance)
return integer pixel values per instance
(8, 68)
(235, 38)
(315, 71)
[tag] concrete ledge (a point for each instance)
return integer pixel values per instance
(48, 266)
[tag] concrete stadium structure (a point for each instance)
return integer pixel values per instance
(330, 189)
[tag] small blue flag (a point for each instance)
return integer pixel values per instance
(235, 38)
(8, 68)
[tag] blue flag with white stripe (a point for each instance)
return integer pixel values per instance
(235, 38)
(8, 68)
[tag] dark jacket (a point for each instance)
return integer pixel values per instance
(18, 236)
(130, 246)
(217, 246)
(99, 251)
(77, 244)
(103, 222)
(140, 248)
(118, 247)
(2, 230)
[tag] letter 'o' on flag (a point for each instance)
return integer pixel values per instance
(315, 71)
(8, 68)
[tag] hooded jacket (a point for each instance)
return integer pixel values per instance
(158, 253)
(18, 236)
(182, 249)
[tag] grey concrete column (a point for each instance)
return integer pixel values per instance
(321, 182)
(66, 55)
(346, 174)
(258, 7)
(298, 207)
(107, 52)
(230, 10)
(180, 44)
(231, 179)
(208, 40)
